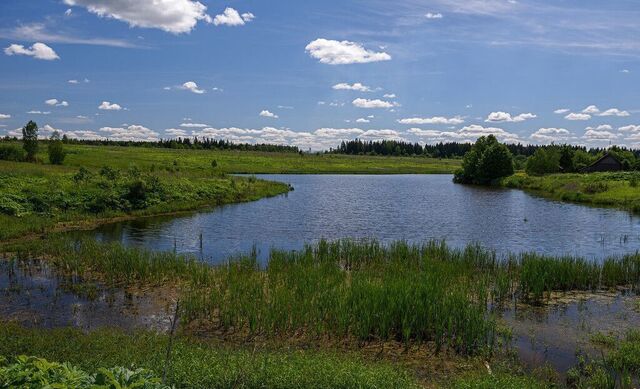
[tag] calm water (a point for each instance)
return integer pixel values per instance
(411, 207)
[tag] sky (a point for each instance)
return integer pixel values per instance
(314, 73)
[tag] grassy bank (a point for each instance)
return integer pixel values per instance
(36, 198)
(620, 190)
(354, 291)
(197, 364)
(250, 162)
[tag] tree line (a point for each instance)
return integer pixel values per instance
(445, 150)
(180, 143)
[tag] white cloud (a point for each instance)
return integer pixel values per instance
(465, 134)
(108, 106)
(630, 128)
(381, 135)
(231, 17)
(176, 132)
(38, 51)
(390, 96)
(68, 12)
(497, 117)
(73, 82)
(4, 116)
(363, 120)
(577, 116)
(194, 125)
(625, 71)
(376, 103)
(34, 112)
(433, 120)
(337, 132)
(614, 112)
(356, 87)
(548, 135)
(192, 87)
(334, 52)
(267, 114)
(431, 15)
(57, 103)
(602, 127)
(592, 109)
(594, 134)
(561, 111)
(174, 16)
(130, 133)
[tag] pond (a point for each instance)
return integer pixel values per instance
(387, 207)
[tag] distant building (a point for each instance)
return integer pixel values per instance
(607, 163)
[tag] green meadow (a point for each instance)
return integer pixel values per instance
(619, 189)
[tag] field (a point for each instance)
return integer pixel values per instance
(620, 190)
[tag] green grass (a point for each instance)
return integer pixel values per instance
(366, 291)
(40, 198)
(196, 364)
(501, 381)
(256, 162)
(619, 190)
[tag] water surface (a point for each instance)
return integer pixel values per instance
(387, 208)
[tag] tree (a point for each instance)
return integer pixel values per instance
(487, 161)
(544, 161)
(30, 140)
(56, 149)
(566, 159)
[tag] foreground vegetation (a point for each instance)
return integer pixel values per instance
(197, 364)
(621, 189)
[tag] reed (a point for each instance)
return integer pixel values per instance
(364, 290)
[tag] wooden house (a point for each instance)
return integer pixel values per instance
(606, 163)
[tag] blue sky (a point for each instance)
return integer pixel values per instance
(315, 73)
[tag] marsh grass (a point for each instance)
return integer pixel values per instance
(364, 290)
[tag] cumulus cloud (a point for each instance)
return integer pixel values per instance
(577, 116)
(390, 96)
(38, 50)
(56, 103)
(375, 103)
(591, 110)
(176, 132)
(130, 133)
(267, 114)
(432, 15)
(192, 87)
(356, 87)
(630, 128)
(174, 16)
(498, 117)
(363, 120)
(194, 125)
(108, 106)
(614, 112)
(594, 134)
(231, 17)
(4, 116)
(334, 52)
(548, 135)
(465, 134)
(561, 111)
(433, 120)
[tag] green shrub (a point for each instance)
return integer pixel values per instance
(487, 161)
(544, 161)
(56, 149)
(32, 372)
(10, 152)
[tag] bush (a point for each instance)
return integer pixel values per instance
(487, 161)
(11, 153)
(545, 160)
(56, 149)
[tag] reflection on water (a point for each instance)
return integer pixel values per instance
(32, 294)
(411, 207)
